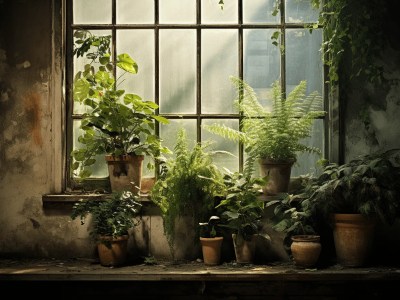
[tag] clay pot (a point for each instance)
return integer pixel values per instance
(305, 250)
(211, 248)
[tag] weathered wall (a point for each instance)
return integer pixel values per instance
(30, 134)
(26, 146)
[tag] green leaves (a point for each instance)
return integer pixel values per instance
(275, 134)
(115, 122)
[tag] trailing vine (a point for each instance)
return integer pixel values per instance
(353, 36)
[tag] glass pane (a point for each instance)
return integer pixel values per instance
(99, 169)
(230, 162)
(259, 11)
(79, 65)
(139, 44)
(92, 12)
(307, 163)
(168, 133)
(212, 13)
(219, 60)
(178, 11)
(303, 59)
(300, 11)
(178, 71)
(261, 62)
(135, 11)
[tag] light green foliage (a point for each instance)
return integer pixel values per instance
(113, 216)
(276, 134)
(184, 187)
(116, 123)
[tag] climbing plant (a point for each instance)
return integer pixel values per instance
(353, 36)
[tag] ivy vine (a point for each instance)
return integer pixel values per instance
(353, 36)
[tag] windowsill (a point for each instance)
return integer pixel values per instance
(67, 200)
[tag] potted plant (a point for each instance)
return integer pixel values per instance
(111, 220)
(117, 124)
(275, 136)
(242, 209)
(294, 216)
(355, 196)
(211, 241)
(184, 193)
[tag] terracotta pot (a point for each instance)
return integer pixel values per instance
(278, 176)
(112, 251)
(211, 248)
(353, 236)
(125, 172)
(305, 250)
(244, 250)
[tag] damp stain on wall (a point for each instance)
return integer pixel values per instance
(33, 112)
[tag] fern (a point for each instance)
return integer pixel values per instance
(275, 134)
(184, 188)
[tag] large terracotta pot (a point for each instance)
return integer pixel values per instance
(244, 250)
(278, 176)
(113, 251)
(125, 172)
(211, 249)
(305, 250)
(353, 236)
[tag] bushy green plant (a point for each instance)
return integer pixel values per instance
(116, 123)
(113, 216)
(368, 185)
(241, 207)
(277, 134)
(183, 187)
(293, 214)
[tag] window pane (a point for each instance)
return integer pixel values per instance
(261, 62)
(139, 44)
(169, 132)
(92, 11)
(259, 11)
(178, 11)
(307, 163)
(219, 143)
(300, 11)
(303, 59)
(212, 13)
(219, 60)
(177, 71)
(99, 169)
(135, 11)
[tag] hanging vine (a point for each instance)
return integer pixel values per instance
(353, 36)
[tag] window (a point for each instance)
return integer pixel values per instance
(186, 52)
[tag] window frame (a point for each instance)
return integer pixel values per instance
(332, 126)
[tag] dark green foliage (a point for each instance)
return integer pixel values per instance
(184, 187)
(116, 122)
(369, 185)
(211, 228)
(241, 207)
(113, 216)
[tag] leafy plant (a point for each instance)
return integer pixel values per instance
(294, 212)
(113, 216)
(182, 189)
(241, 207)
(368, 185)
(276, 134)
(210, 229)
(116, 123)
